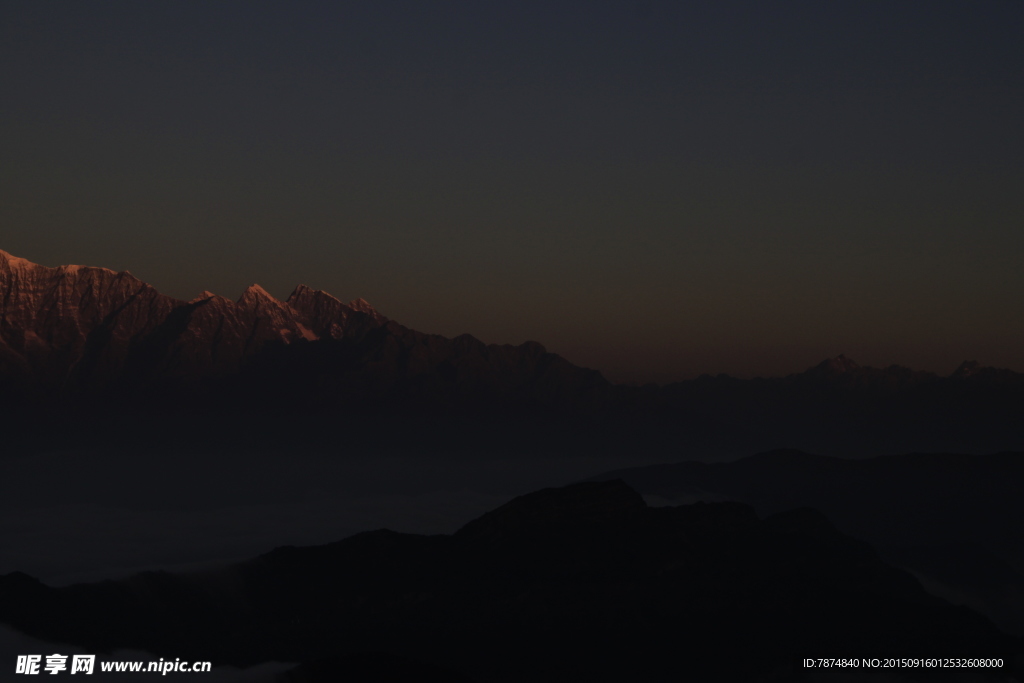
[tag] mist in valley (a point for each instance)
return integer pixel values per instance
(75, 516)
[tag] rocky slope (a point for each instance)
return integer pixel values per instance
(76, 326)
(75, 331)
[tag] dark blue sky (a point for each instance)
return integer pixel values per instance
(652, 189)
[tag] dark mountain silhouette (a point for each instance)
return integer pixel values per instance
(90, 355)
(955, 520)
(840, 408)
(580, 583)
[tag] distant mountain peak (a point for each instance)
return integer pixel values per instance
(974, 371)
(834, 366)
(969, 368)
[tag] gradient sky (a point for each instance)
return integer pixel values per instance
(652, 189)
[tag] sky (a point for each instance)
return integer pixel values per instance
(652, 189)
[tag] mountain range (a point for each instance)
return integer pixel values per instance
(579, 583)
(954, 520)
(88, 344)
(74, 329)
(584, 582)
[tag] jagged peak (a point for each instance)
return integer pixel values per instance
(360, 305)
(306, 291)
(257, 293)
(301, 290)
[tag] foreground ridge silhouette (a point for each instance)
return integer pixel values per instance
(584, 582)
(953, 519)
